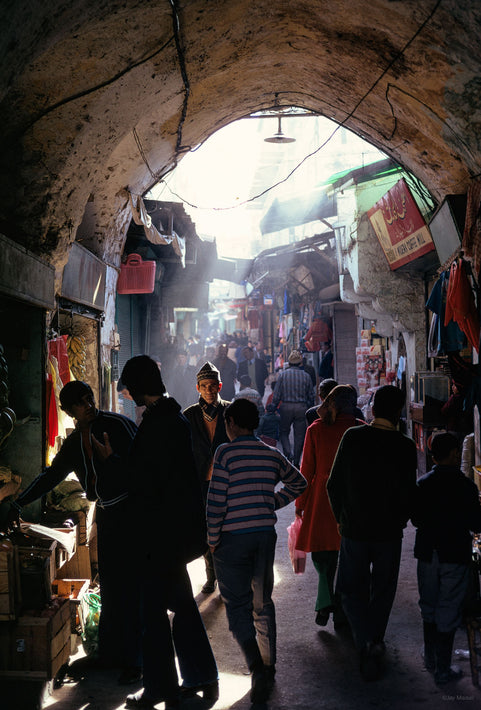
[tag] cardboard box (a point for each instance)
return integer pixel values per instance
(62, 555)
(36, 647)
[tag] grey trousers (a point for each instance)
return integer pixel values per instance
(442, 591)
(293, 414)
(244, 565)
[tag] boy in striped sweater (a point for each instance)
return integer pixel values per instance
(241, 533)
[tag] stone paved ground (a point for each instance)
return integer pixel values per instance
(317, 668)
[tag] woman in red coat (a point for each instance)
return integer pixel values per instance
(319, 534)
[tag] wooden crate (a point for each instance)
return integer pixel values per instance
(78, 566)
(36, 647)
(73, 590)
(40, 547)
(9, 583)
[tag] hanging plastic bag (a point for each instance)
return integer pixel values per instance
(298, 557)
(90, 635)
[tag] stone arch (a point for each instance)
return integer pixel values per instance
(97, 96)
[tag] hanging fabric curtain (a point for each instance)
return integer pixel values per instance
(142, 217)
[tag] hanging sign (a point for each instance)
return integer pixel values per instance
(400, 226)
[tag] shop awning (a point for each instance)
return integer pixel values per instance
(235, 270)
(313, 205)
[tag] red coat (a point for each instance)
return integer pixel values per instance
(319, 527)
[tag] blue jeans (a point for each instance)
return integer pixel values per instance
(244, 565)
(170, 589)
(442, 591)
(367, 581)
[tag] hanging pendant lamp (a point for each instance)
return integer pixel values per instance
(279, 137)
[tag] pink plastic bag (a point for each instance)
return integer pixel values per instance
(298, 557)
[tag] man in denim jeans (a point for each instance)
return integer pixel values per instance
(240, 521)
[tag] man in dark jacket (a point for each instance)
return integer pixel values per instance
(371, 489)
(206, 419)
(228, 371)
(168, 522)
(326, 364)
(105, 483)
(445, 512)
(255, 368)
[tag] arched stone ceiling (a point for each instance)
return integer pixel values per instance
(101, 95)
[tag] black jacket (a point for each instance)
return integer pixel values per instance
(372, 483)
(164, 491)
(111, 481)
(446, 510)
(204, 449)
(261, 374)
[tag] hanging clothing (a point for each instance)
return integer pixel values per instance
(57, 348)
(460, 303)
(450, 337)
(52, 421)
(318, 333)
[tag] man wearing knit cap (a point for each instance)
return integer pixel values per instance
(293, 394)
(206, 419)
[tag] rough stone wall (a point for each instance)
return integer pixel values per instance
(395, 300)
(95, 95)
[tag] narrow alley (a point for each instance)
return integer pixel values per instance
(316, 669)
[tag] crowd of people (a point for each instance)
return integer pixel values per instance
(202, 474)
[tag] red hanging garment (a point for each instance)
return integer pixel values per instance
(52, 419)
(58, 348)
(318, 333)
(460, 303)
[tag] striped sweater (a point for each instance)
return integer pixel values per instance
(242, 496)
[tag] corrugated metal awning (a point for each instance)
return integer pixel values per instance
(314, 205)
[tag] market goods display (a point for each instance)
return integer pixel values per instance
(77, 355)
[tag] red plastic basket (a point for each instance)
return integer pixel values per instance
(136, 276)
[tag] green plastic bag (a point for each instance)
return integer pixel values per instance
(90, 635)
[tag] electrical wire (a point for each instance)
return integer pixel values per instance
(97, 87)
(183, 70)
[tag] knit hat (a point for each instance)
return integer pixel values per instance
(295, 358)
(208, 371)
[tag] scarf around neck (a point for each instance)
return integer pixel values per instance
(209, 411)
